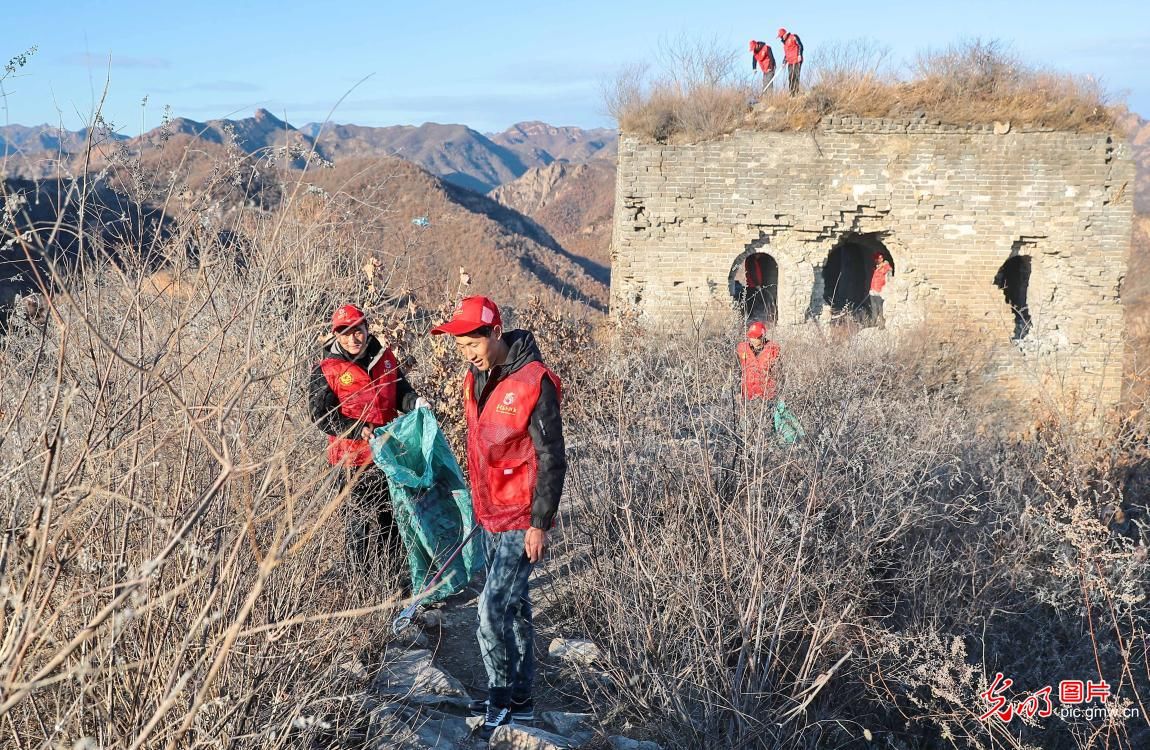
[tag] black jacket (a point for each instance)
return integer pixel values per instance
(325, 405)
(545, 425)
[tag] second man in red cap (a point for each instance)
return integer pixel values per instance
(517, 463)
(356, 387)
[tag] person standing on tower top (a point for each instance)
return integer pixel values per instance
(763, 58)
(792, 58)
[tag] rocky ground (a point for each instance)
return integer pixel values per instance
(417, 691)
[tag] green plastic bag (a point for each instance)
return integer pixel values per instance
(788, 429)
(431, 502)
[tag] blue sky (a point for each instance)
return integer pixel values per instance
(487, 65)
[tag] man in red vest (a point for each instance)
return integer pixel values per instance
(792, 58)
(356, 387)
(757, 356)
(516, 462)
(763, 58)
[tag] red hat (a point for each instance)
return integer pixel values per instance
(756, 330)
(348, 316)
(782, 33)
(470, 314)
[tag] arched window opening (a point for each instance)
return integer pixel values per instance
(855, 277)
(755, 287)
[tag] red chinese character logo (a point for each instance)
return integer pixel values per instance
(1098, 690)
(1071, 691)
(998, 704)
(1038, 704)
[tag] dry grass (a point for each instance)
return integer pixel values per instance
(869, 581)
(172, 562)
(695, 93)
(969, 83)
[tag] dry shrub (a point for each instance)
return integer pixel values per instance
(173, 567)
(974, 82)
(695, 94)
(868, 582)
(981, 81)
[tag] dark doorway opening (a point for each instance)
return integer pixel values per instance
(762, 297)
(850, 288)
(1013, 278)
(755, 287)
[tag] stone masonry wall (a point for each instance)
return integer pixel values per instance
(950, 204)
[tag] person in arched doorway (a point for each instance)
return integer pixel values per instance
(758, 356)
(760, 302)
(355, 387)
(763, 58)
(878, 280)
(792, 58)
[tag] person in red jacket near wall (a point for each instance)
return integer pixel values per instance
(758, 357)
(763, 58)
(792, 58)
(355, 387)
(517, 463)
(878, 280)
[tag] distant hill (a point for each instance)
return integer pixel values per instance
(259, 133)
(508, 255)
(20, 139)
(540, 144)
(455, 152)
(215, 172)
(573, 202)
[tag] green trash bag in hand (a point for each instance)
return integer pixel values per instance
(431, 502)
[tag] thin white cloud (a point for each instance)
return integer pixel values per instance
(89, 60)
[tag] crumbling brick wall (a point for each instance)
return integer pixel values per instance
(949, 204)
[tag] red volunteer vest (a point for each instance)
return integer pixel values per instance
(764, 57)
(758, 381)
(500, 455)
(878, 278)
(366, 395)
(792, 53)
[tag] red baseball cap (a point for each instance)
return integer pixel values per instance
(756, 330)
(782, 33)
(348, 316)
(470, 314)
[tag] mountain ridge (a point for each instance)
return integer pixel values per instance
(456, 152)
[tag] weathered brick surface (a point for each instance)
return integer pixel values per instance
(950, 204)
